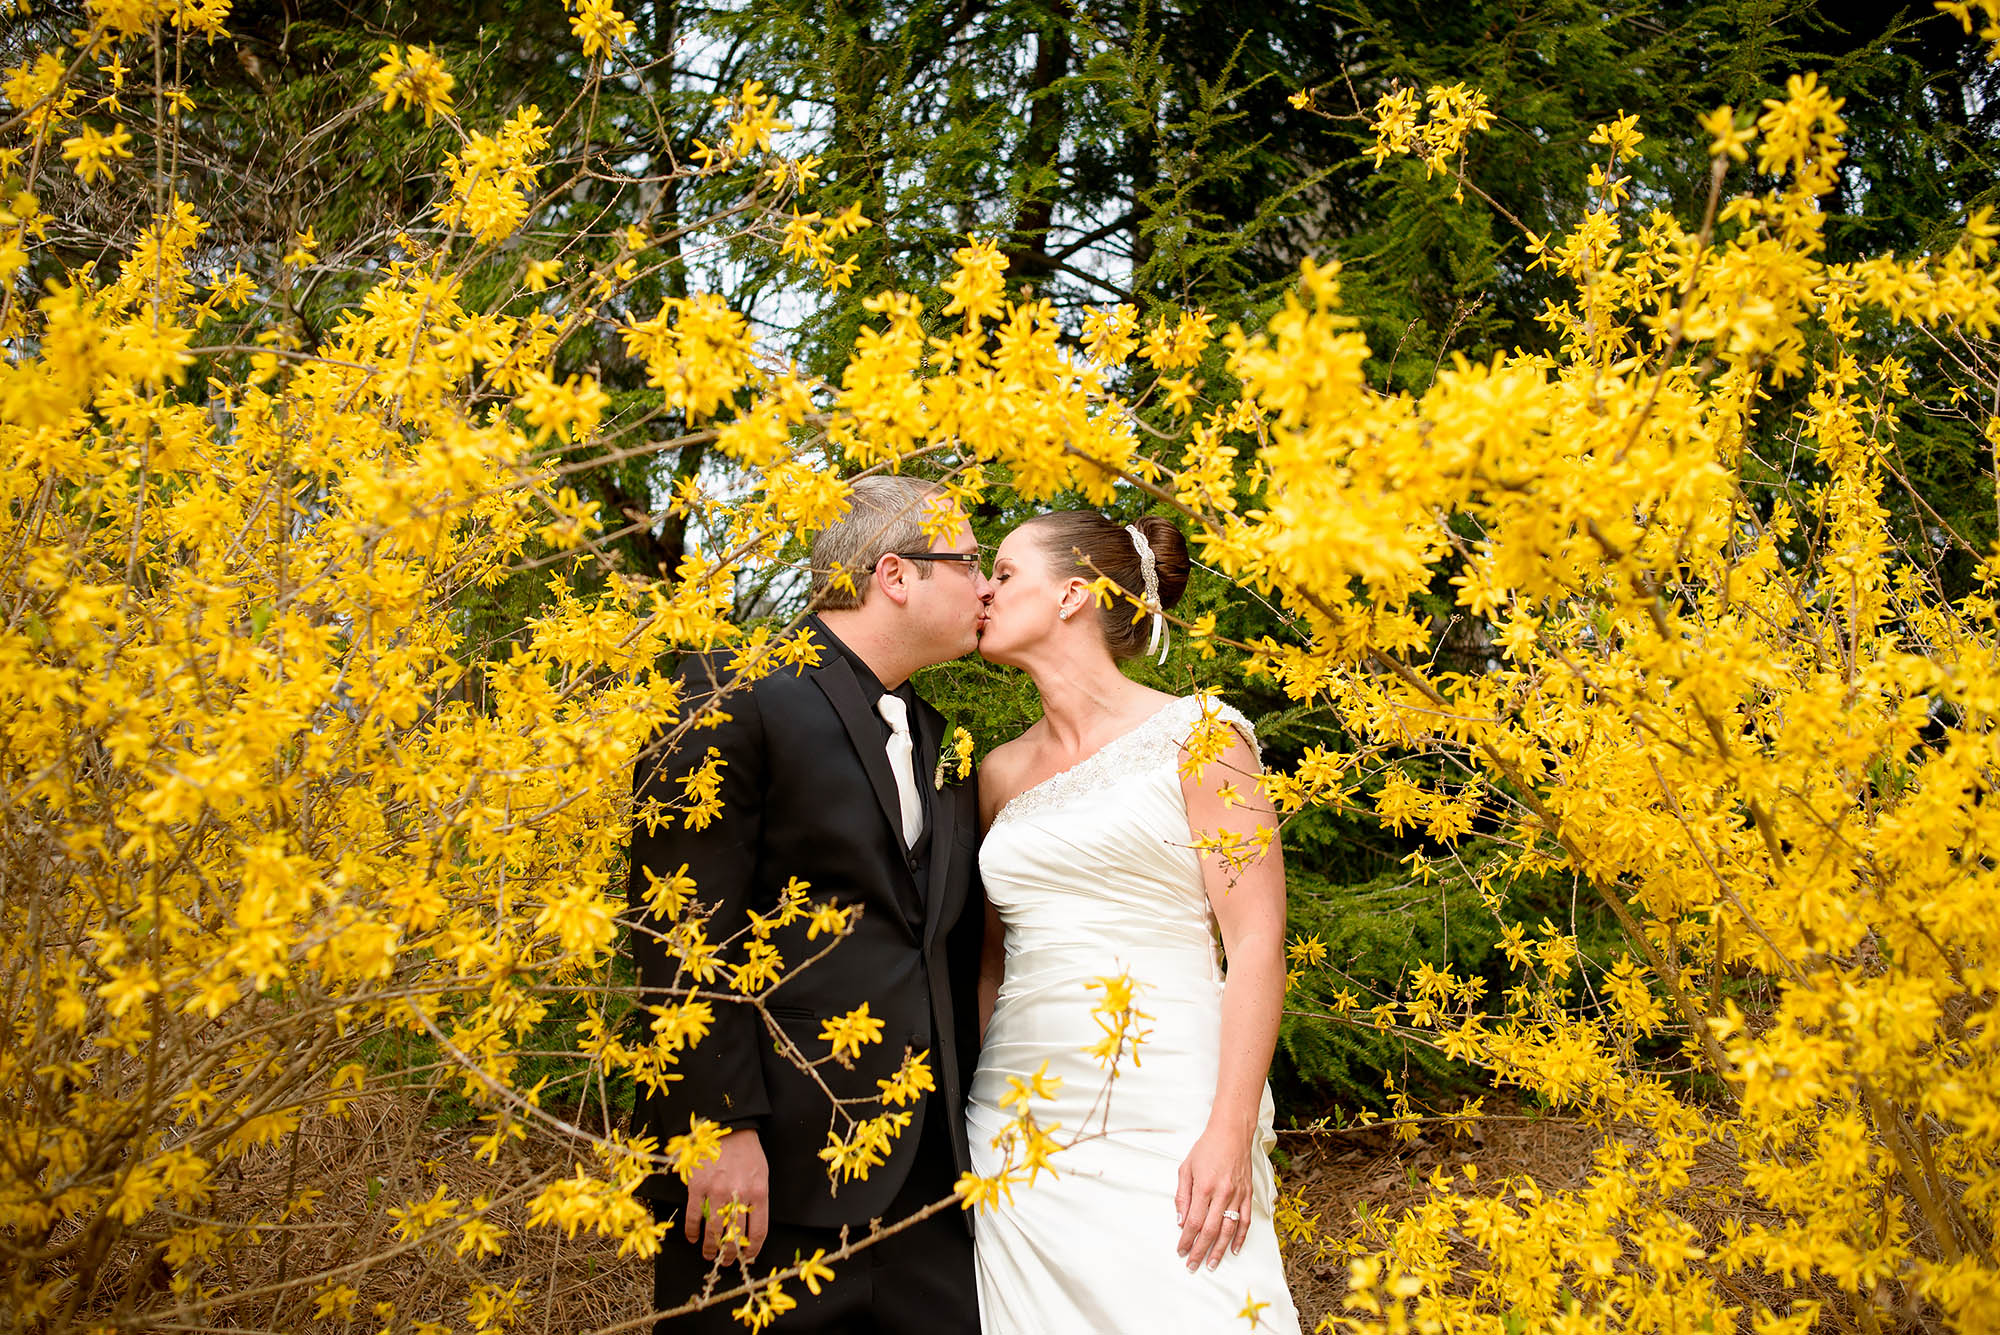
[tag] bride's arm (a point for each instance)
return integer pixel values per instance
(1248, 898)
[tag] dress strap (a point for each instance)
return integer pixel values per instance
(1202, 714)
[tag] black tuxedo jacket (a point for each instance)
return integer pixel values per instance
(807, 792)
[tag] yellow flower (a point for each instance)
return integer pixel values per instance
(813, 1270)
(762, 966)
(335, 1301)
(699, 1147)
(955, 759)
(911, 1081)
(415, 1218)
(540, 273)
(1040, 1085)
(600, 27)
(847, 1033)
(37, 88)
(304, 246)
(827, 919)
(975, 288)
(1726, 139)
(94, 152)
(764, 1305)
(979, 1193)
(416, 77)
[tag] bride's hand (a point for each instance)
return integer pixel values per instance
(1213, 1201)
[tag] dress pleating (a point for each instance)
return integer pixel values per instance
(1092, 873)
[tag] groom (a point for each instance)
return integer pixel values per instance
(829, 778)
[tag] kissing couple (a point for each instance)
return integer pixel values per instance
(984, 911)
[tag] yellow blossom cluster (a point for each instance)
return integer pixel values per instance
(416, 78)
(599, 26)
(268, 809)
(271, 813)
(1728, 724)
(1433, 127)
(1729, 720)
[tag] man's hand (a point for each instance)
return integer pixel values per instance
(737, 1174)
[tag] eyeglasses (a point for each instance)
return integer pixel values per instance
(973, 559)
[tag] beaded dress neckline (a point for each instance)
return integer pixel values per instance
(1086, 775)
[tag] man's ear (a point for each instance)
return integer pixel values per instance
(891, 578)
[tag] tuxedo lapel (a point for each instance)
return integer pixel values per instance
(864, 729)
(941, 811)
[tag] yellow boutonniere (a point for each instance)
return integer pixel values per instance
(960, 750)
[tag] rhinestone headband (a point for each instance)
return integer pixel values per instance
(1150, 575)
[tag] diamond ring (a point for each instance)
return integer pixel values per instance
(1231, 1216)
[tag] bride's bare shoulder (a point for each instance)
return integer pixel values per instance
(1002, 774)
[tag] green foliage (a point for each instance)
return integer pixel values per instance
(1374, 931)
(1133, 152)
(990, 702)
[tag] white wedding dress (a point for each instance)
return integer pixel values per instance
(1092, 873)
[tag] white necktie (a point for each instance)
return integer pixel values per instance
(897, 715)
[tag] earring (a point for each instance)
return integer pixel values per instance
(1063, 615)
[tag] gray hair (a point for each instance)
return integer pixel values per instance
(885, 513)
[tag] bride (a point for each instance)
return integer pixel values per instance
(1159, 1217)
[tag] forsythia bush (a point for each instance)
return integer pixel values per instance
(270, 821)
(1761, 737)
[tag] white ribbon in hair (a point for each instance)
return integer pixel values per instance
(1150, 574)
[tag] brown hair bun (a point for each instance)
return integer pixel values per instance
(1082, 544)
